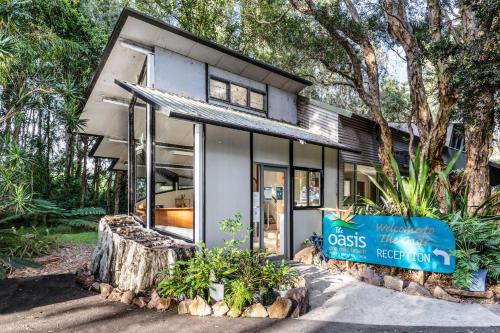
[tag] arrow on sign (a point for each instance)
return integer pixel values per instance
(444, 254)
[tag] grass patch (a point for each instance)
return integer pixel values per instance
(89, 238)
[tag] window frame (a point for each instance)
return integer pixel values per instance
(321, 189)
(228, 89)
(354, 184)
(228, 94)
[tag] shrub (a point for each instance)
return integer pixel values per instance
(413, 195)
(242, 271)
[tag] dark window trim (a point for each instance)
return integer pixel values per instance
(321, 190)
(228, 93)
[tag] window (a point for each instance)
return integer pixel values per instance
(256, 100)
(457, 137)
(238, 95)
(307, 188)
(218, 89)
(357, 184)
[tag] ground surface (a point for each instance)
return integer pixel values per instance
(53, 303)
(65, 260)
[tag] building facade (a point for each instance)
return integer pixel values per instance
(205, 133)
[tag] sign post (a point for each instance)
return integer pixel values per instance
(420, 243)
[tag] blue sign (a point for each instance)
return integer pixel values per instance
(279, 193)
(421, 243)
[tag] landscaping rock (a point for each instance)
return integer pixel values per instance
(466, 293)
(96, 286)
(301, 282)
(255, 311)
(280, 308)
(153, 302)
(127, 297)
(199, 307)
(140, 302)
(306, 255)
(163, 304)
(220, 308)
(183, 307)
(417, 290)
(115, 296)
(368, 275)
(442, 294)
(393, 282)
(105, 289)
(300, 299)
(84, 278)
(234, 313)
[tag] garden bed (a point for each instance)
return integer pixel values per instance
(403, 280)
(141, 267)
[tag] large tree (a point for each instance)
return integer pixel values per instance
(333, 43)
(477, 80)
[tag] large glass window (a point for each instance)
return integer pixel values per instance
(357, 184)
(174, 160)
(307, 188)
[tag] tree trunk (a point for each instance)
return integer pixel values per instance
(79, 156)
(130, 257)
(95, 185)
(47, 155)
(83, 175)
(118, 190)
(478, 141)
(70, 140)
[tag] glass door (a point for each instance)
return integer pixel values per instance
(270, 209)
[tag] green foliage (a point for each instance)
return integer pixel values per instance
(239, 295)
(242, 271)
(478, 247)
(413, 195)
(89, 238)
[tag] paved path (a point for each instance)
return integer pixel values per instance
(341, 298)
(55, 304)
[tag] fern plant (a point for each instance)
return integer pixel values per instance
(239, 294)
(478, 247)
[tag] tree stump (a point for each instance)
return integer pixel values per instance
(130, 257)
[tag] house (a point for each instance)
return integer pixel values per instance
(205, 132)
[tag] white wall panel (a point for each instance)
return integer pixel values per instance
(282, 105)
(227, 172)
(306, 155)
(270, 150)
(178, 74)
(330, 174)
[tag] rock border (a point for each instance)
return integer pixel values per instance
(294, 304)
(365, 273)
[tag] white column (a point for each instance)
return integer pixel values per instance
(199, 138)
(150, 146)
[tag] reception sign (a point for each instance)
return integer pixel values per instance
(420, 243)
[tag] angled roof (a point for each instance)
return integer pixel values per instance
(193, 110)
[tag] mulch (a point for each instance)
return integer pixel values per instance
(67, 259)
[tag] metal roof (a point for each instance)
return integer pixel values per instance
(198, 111)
